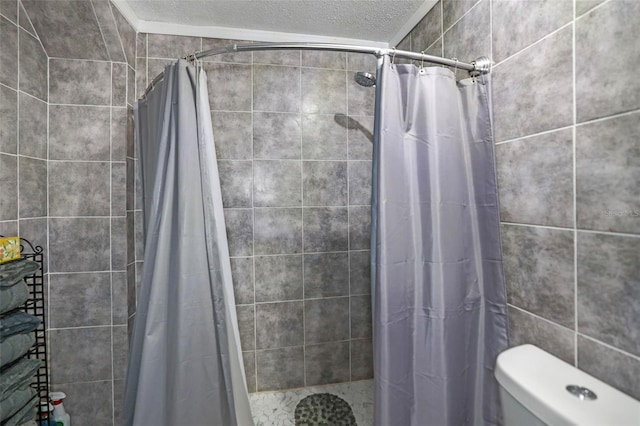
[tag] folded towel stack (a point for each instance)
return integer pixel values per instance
(18, 400)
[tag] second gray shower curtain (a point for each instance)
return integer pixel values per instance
(439, 300)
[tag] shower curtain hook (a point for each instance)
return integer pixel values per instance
(422, 63)
(393, 57)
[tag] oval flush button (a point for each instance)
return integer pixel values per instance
(582, 393)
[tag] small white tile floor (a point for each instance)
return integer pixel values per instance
(277, 408)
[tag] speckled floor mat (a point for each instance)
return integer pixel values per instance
(324, 409)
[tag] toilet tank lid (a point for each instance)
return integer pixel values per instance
(538, 380)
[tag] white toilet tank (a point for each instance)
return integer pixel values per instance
(533, 392)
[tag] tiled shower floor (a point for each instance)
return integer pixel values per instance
(277, 408)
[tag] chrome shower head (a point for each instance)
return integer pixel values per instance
(365, 79)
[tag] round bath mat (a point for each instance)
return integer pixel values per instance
(324, 409)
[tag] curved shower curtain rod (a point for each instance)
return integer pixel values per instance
(480, 66)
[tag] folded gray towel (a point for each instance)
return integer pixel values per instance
(14, 402)
(18, 376)
(17, 323)
(12, 273)
(15, 346)
(26, 413)
(14, 296)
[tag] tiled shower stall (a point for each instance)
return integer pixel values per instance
(292, 134)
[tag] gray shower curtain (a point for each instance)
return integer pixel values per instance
(185, 363)
(440, 315)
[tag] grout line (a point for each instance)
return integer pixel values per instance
(304, 323)
(457, 20)
(580, 230)
(541, 318)
(609, 346)
(588, 11)
(253, 240)
(533, 135)
(575, 203)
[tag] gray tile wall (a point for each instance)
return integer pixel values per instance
(65, 102)
(566, 108)
(292, 136)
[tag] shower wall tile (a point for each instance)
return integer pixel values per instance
(538, 268)
(326, 363)
(361, 321)
(130, 166)
(9, 120)
(280, 368)
(138, 234)
(276, 57)
(229, 86)
(361, 100)
(131, 85)
(276, 88)
(551, 337)
(325, 229)
(119, 134)
(278, 325)
(119, 243)
(32, 183)
(246, 326)
(361, 62)
(609, 288)
(32, 66)
(67, 355)
(360, 138)
(359, 227)
(516, 27)
(119, 311)
(239, 224)
(249, 361)
(361, 359)
(323, 137)
(324, 59)
(109, 30)
(452, 10)
(34, 230)
(326, 320)
(90, 402)
(127, 35)
(324, 183)
(120, 351)
(521, 84)
(278, 278)
(9, 178)
(607, 34)
(276, 136)
(79, 133)
(9, 53)
(427, 30)
(67, 28)
(535, 179)
(608, 157)
(360, 182)
(326, 275)
(323, 91)
(218, 43)
(609, 365)
(89, 238)
(9, 9)
(583, 6)
(278, 231)
(470, 37)
(79, 189)
(79, 82)
(119, 84)
(232, 134)
(171, 46)
(360, 272)
(242, 273)
(276, 183)
(236, 183)
(32, 126)
(77, 300)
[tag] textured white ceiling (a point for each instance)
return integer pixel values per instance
(375, 20)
